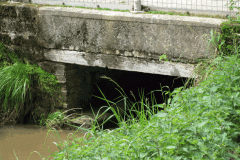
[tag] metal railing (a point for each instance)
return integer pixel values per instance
(217, 6)
(214, 6)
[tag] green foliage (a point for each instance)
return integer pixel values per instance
(42, 120)
(226, 42)
(163, 57)
(233, 4)
(56, 119)
(161, 12)
(79, 7)
(20, 82)
(217, 41)
(15, 84)
(17, 79)
(156, 12)
(199, 123)
(171, 13)
(121, 10)
(103, 9)
(47, 82)
(231, 37)
(7, 58)
(131, 112)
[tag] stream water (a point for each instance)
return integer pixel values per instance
(25, 139)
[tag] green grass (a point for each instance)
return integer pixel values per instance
(24, 88)
(107, 9)
(121, 10)
(15, 84)
(15, 80)
(79, 7)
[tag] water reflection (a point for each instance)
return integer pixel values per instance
(24, 139)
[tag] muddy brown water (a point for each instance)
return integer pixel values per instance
(25, 139)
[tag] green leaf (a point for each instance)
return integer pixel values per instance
(160, 114)
(163, 57)
(170, 147)
(202, 124)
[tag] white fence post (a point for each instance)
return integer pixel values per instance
(137, 6)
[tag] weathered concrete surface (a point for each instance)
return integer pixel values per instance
(111, 4)
(19, 30)
(76, 82)
(121, 63)
(142, 35)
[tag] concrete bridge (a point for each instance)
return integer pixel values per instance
(75, 43)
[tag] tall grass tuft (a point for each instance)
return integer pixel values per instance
(15, 85)
(25, 89)
(139, 111)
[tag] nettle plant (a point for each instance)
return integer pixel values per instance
(233, 4)
(230, 32)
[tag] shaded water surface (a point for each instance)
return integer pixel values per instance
(24, 139)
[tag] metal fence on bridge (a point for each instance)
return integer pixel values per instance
(214, 6)
(190, 5)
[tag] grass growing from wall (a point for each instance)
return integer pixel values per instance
(24, 89)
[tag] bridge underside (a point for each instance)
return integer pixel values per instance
(81, 83)
(122, 63)
(79, 72)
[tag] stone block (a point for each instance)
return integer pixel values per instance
(128, 54)
(61, 78)
(65, 105)
(139, 54)
(53, 67)
(64, 95)
(8, 12)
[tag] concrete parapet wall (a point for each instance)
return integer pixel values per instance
(135, 35)
(144, 36)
